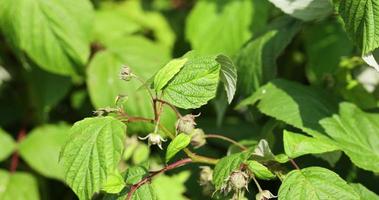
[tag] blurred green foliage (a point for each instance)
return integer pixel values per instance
(60, 60)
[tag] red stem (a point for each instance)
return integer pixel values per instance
(148, 178)
(15, 157)
(294, 164)
(171, 106)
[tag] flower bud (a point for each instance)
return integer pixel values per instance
(198, 138)
(264, 195)
(186, 124)
(154, 139)
(238, 180)
(206, 174)
(205, 180)
(126, 73)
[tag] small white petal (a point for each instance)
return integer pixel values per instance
(160, 146)
(144, 138)
(370, 60)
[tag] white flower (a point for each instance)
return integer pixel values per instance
(154, 139)
(264, 195)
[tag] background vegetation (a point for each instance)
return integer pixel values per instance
(299, 69)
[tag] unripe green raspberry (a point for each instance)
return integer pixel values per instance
(205, 180)
(198, 138)
(186, 124)
(238, 180)
(206, 174)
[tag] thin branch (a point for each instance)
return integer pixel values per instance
(139, 119)
(158, 119)
(126, 118)
(15, 157)
(171, 106)
(144, 85)
(193, 156)
(151, 95)
(256, 183)
(199, 158)
(294, 164)
(226, 139)
(150, 177)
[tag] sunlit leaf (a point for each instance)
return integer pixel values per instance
(92, 153)
(54, 34)
(7, 145)
(41, 148)
(315, 183)
(18, 186)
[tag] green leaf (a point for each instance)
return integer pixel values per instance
(296, 145)
(18, 186)
(92, 152)
(361, 22)
(304, 106)
(148, 19)
(356, 134)
(171, 187)
(7, 145)
(41, 148)
(315, 183)
(141, 153)
(363, 192)
(195, 84)
(211, 26)
(306, 10)
(128, 18)
(259, 170)
(131, 145)
(165, 74)
(114, 184)
(104, 83)
(45, 90)
(54, 34)
(256, 61)
(178, 143)
(145, 192)
(309, 109)
(228, 76)
(132, 176)
(226, 166)
(263, 151)
(135, 174)
(109, 18)
(281, 158)
(325, 44)
(331, 157)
